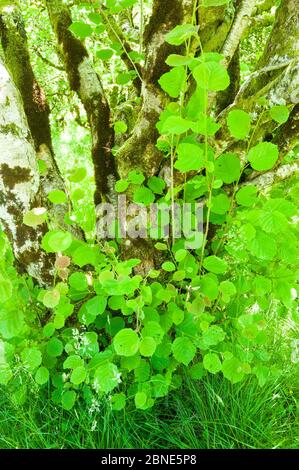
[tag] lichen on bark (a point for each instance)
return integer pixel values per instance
(84, 80)
(19, 184)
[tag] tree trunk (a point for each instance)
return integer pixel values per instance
(140, 152)
(86, 83)
(20, 184)
(14, 38)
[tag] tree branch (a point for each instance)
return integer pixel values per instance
(86, 83)
(115, 33)
(140, 151)
(276, 78)
(47, 61)
(240, 24)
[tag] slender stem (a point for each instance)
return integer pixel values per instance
(121, 42)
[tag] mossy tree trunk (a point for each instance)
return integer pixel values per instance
(20, 183)
(87, 84)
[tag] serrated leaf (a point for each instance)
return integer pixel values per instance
(239, 124)
(78, 375)
(190, 157)
(180, 34)
(263, 156)
(147, 346)
(126, 342)
(215, 265)
(80, 29)
(247, 196)
(173, 82)
(280, 114)
(183, 350)
(212, 363)
(211, 76)
(68, 399)
(228, 168)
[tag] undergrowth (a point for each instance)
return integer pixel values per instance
(211, 414)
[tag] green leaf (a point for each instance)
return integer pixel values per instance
(272, 221)
(247, 196)
(280, 114)
(144, 196)
(42, 375)
(205, 125)
(126, 342)
(175, 60)
(35, 217)
(168, 266)
(263, 246)
(121, 186)
(56, 241)
(48, 330)
(5, 289)
(262, 373)
(78, 375)
(80, 29)
(125, 77)
(228, 290)
(197, 371)
(211, 76)
(213, 335)
(180, 255)
(57, 196)
(77, 195)
(31, 358)
(154, 330)
(173, 82)
(95, 18)
(232, 370)
(118, 401)
(263, 156)
(190, 157)
(92, 308)
(215, 265)
(51, 298)
(54, 347)
(177, 316)
(228, 168)
(140, 400)
(77, 175)
(220, 204)
(104, 54)
(239, 124)
(68, 399)
(157, 185)
(176, 125)
(78, 281)
(211, 363)
(183, 350)
(147, 346)
(72, 362)
(209, 287)
(180, 34)
(135, 177)
(120, 127)
(106, 377)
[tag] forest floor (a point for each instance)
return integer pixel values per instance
(210, 414)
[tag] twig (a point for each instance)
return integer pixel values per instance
(47, 61)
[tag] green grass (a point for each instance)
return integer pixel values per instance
(211, 414)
